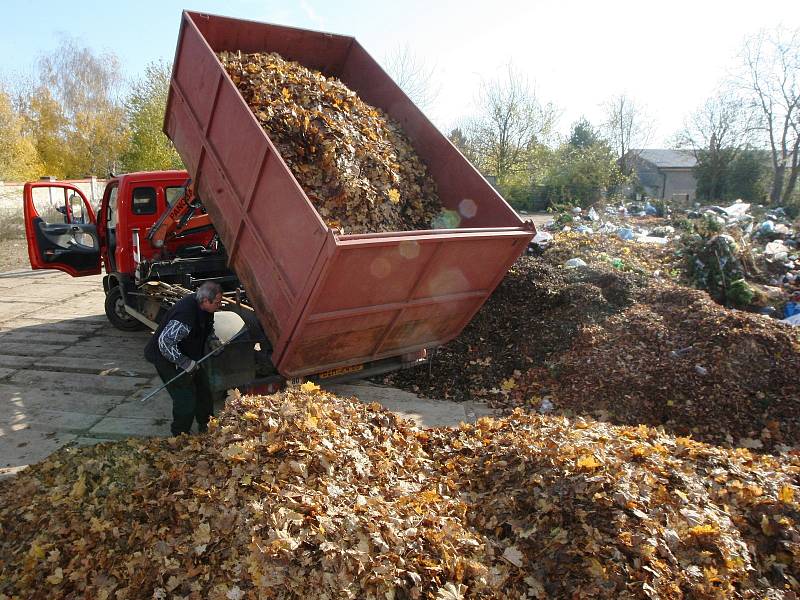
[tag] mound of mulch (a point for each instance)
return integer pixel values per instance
(622, 346)
(679, 360)
(533, 315)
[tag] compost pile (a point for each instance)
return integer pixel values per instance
(678, 359)
(356, 166)
(532, 317)
(622, 346)
(304, 494)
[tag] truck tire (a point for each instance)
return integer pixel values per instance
(115, 311)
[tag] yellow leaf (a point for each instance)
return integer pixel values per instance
(57, 577)
(394, 196)
(79, 489)
(36, 551)
(508, 384)
(596, 569)
(309, 388)
(702, 530)
(786, 494)
(250, 416)
(588, 462)
(286, 95)
(766, 526)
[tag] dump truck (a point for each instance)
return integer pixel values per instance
(320, 303)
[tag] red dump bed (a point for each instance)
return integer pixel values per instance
(328, 300)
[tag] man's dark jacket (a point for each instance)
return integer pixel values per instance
(200, 323)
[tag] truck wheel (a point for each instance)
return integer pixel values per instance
(115, 311)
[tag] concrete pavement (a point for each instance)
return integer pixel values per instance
(68, 377)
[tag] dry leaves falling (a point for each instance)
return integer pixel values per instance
(356, 166)
(304, 494)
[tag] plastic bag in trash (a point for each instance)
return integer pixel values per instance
(737, 209)
(593, 216)
(546, 406)
(766, 227)
(542, 238)
(782, 229)
(576, 210)
(793, 320)
(584, 229)
(625, 233)
(575, 262)
(791, 309)
(650, 210)
(777, 251)
(663, 231)
(650, 239)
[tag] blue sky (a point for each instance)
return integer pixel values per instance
(669, 56)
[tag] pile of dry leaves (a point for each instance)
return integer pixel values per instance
(356, 166)
(304, 495)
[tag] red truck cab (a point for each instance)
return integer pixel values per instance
(64, 232)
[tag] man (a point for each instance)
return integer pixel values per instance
(177, 345)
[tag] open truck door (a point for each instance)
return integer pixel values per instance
(61, 229)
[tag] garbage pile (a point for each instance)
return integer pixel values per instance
(615, 221)
(354, 163)
(304, 494)
(744, 256)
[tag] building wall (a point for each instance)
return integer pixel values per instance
(680, 183)
(650, 178)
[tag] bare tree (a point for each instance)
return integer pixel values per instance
(416, 78)
(511, 121)
(627, 127)
(771, 61)
(723, 121)
(717, 133)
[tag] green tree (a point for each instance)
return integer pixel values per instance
(748, 177)
(718, 132)
(18, 158)
(73, 111)
(582, 175)
(730, 174)
(583, 134)
(460, 141)
(149, 149)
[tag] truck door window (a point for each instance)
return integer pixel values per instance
(172, 194)
(51, 204)
(144, 201)
(111, 221)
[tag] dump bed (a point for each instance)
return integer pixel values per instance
(326, 299)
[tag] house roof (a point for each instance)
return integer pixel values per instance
(668, 159)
